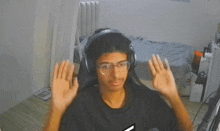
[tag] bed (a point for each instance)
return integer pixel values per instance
(180, 57)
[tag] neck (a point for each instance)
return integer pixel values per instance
(114, 99)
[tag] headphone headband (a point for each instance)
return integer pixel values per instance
(104, 32)
(109, 31)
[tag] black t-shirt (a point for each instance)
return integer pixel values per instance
(144, 109)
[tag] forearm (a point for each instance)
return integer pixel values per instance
(54, 119)
(181, 114)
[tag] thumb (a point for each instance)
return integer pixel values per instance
(75, 85)
(71, 94)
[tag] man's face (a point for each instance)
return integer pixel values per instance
(113, 75)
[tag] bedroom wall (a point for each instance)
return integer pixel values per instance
(26, 30)
(18, 48)
(193, 23)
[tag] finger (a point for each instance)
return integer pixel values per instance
(61, 69)
(155, 63)
(160, 62)
(64, 73)
(71, 94)
(152, 69)
(75, 84)
(167, 64)
(70, 76)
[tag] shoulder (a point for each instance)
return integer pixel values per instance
(144, 91)
(148, 96)
(80, 97)
(84, 96)
(156, 108)
(76, 109)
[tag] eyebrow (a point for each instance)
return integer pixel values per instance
(110, 62)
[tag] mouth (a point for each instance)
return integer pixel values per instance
(115, 83)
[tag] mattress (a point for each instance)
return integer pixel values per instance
(180, 57)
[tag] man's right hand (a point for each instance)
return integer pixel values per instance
(64, 88)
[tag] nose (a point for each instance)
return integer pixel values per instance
(115, 72)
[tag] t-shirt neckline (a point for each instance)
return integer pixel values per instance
(127, 105)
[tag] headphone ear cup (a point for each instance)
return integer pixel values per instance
(89, 65)
(132, 62)
(132, 58)
(86, 62)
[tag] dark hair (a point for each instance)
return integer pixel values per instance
(110, 43)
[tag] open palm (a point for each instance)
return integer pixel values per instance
(163, 80)
(63, 89)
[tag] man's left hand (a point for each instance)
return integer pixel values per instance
(163, 80)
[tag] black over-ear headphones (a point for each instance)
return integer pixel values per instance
(104, 32)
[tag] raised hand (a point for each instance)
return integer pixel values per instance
(63, 88)
(163, 80)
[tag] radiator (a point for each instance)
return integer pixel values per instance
(88, 18)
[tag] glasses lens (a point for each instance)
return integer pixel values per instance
(107, 68)
(124, 66)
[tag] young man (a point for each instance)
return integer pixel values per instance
(116, 102)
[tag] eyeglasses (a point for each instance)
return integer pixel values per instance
(105, 69)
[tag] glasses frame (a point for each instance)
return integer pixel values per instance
(113, 65)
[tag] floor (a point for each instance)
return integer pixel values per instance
(30, 114)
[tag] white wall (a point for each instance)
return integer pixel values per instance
(193, 23)
(26, 28)
(16, 52)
